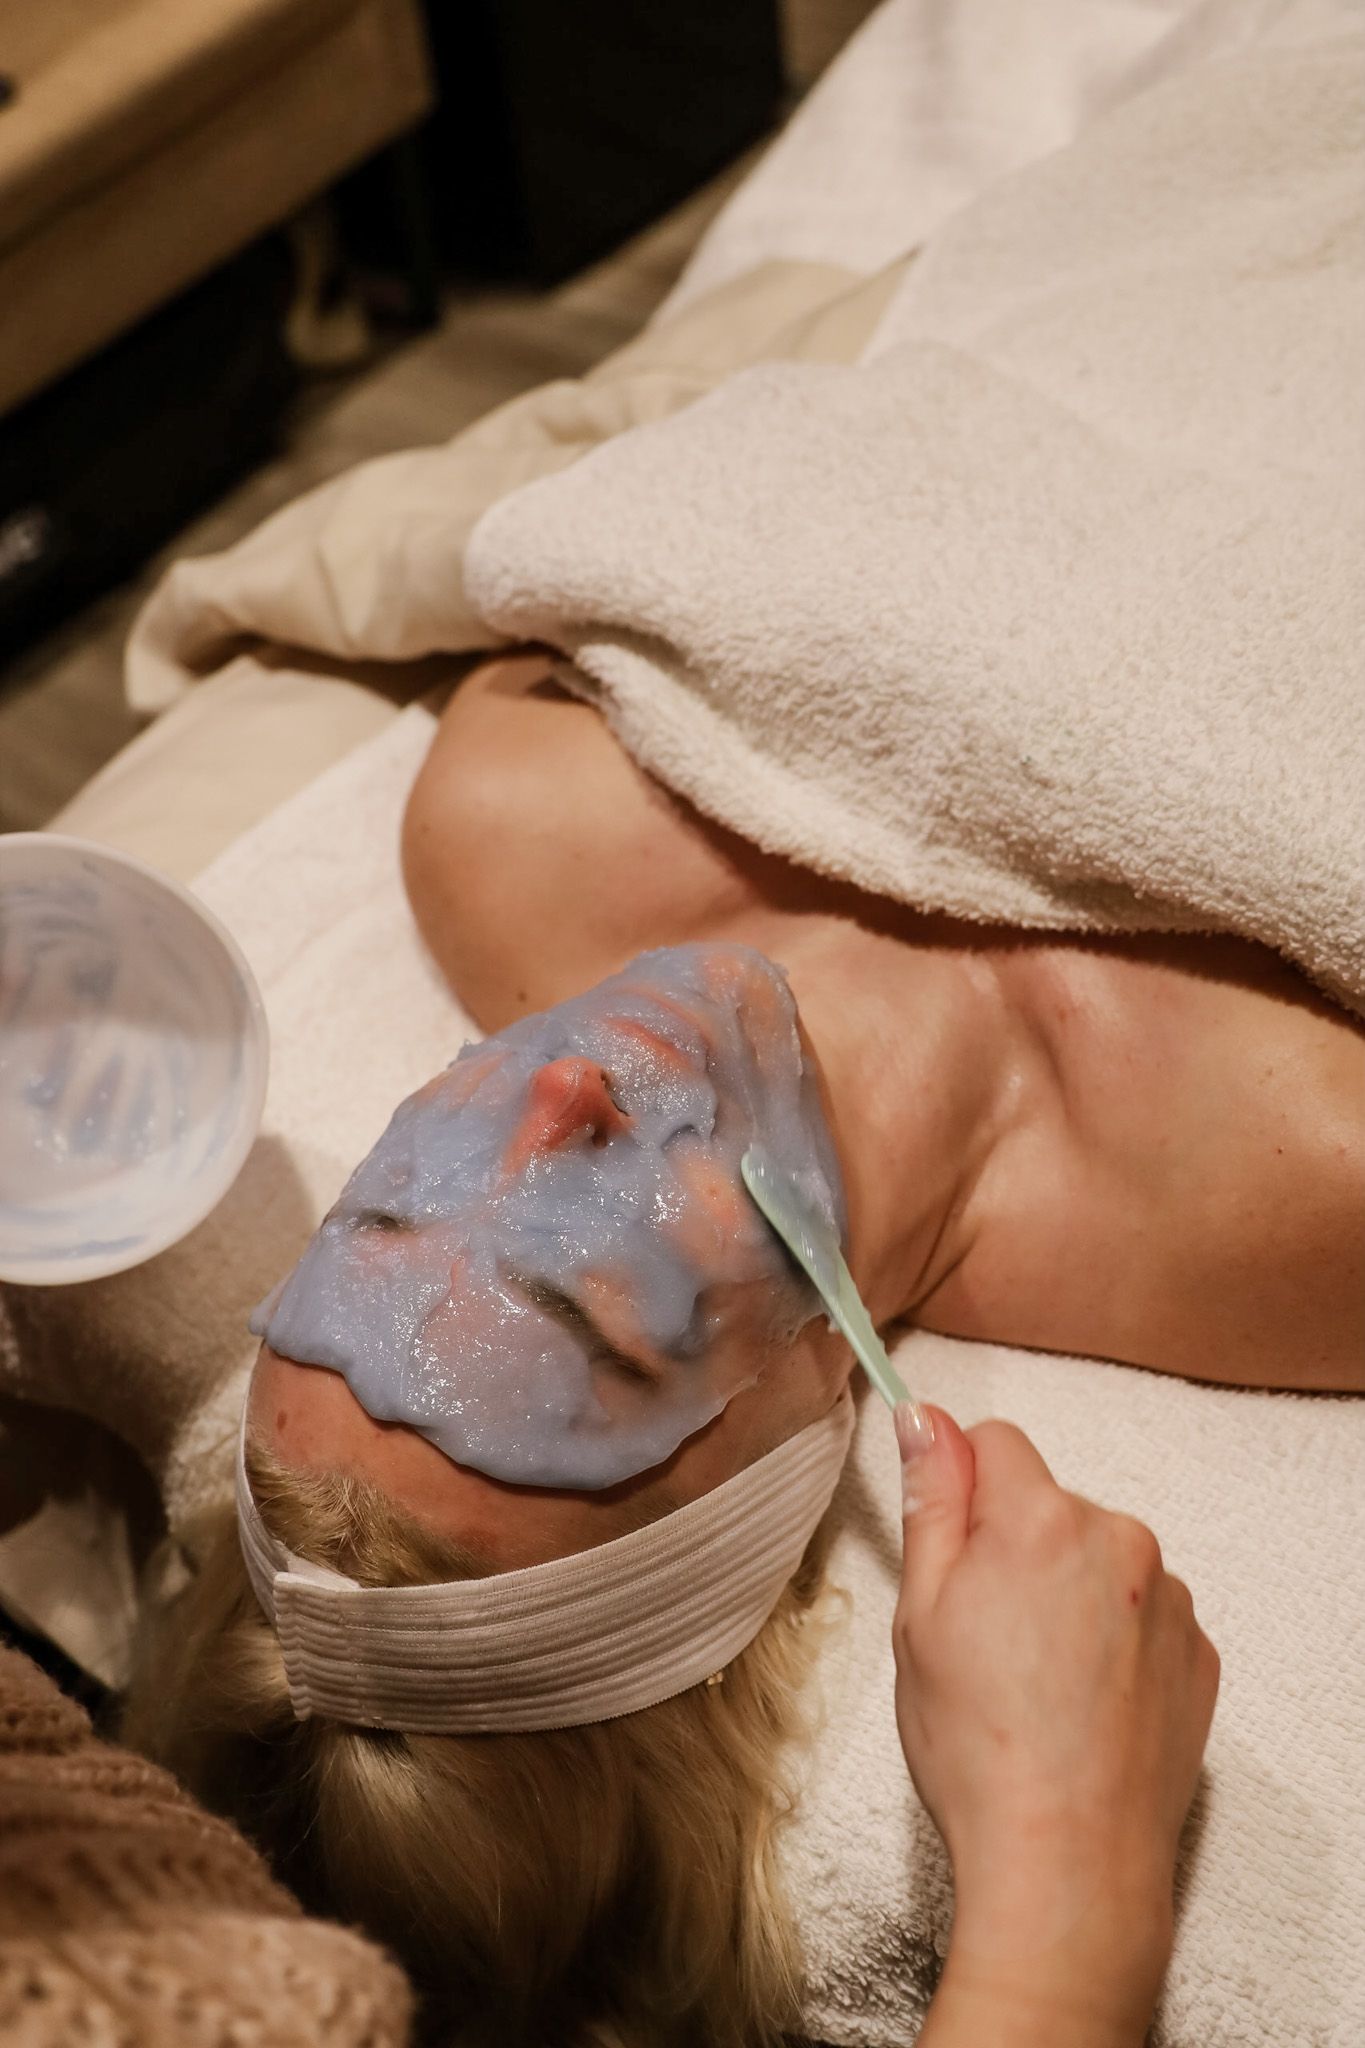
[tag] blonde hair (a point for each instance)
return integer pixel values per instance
(610, 1886)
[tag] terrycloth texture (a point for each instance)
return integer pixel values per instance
(1078, 538)
(1259, 1499)
(1050, 612)
(130, 1918)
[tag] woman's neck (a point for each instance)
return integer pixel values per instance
(920, 1075)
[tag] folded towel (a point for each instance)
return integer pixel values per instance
(1259, 1498)
(1049, 611)
(1078, 536)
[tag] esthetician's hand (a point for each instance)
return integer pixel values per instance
(1054, 1694)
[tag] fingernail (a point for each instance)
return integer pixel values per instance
(914, 1429)
(915, 1436)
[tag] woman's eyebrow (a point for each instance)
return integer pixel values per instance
(574, 1317)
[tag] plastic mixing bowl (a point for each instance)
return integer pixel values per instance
(133, 1058)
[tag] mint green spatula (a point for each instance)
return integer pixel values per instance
(816, 1250)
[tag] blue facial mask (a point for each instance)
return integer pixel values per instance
(548, 1265)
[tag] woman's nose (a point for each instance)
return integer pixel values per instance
(566, 1098)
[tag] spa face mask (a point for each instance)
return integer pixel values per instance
(548, 1265)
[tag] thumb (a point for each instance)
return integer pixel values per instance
(938, 1471)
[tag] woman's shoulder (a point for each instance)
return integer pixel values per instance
(1187, 1189)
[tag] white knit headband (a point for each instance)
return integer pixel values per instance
(584, 1638)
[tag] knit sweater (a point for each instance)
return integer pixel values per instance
(131, 1918)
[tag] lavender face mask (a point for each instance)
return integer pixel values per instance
(548, 1265)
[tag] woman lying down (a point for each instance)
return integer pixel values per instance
(545, 1371)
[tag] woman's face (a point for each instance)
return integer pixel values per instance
(549, 1269)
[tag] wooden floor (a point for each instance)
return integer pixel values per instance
(62, 713)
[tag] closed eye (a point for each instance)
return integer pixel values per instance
(572, 1316)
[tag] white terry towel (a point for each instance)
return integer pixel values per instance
(1050, 611)
(1259, 1498)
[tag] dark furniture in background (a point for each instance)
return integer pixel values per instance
(562, 128)
(146, 148)
(559, 127)
(101, 469)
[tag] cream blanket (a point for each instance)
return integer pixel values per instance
(1259, 1499)
(1046, 609)
(1050, 611)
